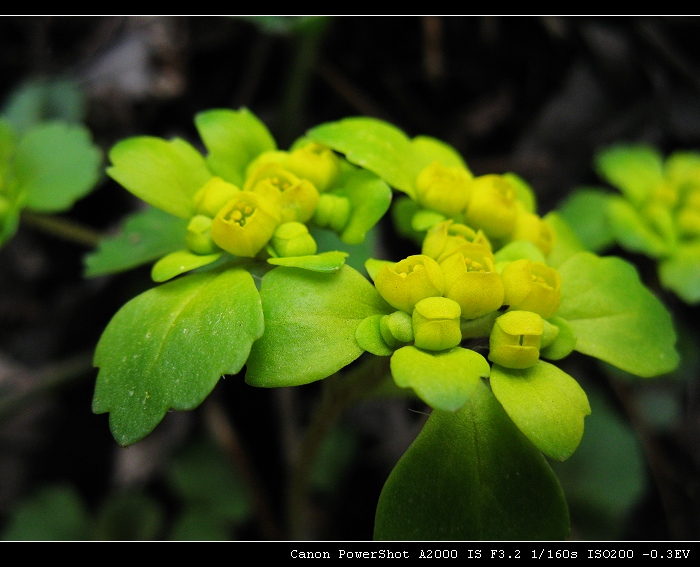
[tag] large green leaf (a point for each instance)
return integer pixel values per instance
(374, 145)
(164, 174)
(444, 380)
(56, 164)
(566, 242)
(168, 347)
(145, 236)
(681, 272)
(615, 318)
(310, 324)
(546, 404)
(633, 231)
(472, 475)
(427, 150)
(635, 170)
(234, 139)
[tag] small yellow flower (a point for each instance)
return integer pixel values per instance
(245, 224)
(445, 237)
(472, 281)
(515, 339)
(405, 283)
(530, 227)
(492, 207)
(444, 189)
(532, 286)
(198, 237)
(436, 324)
(315, 162)
(213, 195)
(332, 211)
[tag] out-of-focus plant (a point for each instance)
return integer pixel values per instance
(656, 213)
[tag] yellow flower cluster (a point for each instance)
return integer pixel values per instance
(281, 192)
(487, 203)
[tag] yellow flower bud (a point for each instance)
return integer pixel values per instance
(245, 224)
(293, 239)
(532, 286)
(274, 157)
(688, 222)
(472, 280)
(492, 207)
(531, 227)
(515, 339)
(198, 237)
(213, 195)
(436, 324)
(396, 328)
(317, 163)
(332, 211)
(405, 283)
(444, 189)
(445, 237)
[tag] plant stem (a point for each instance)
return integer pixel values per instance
(226, 436)
(339, 392)
(62, 228)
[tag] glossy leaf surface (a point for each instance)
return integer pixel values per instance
(168, 347)
(614, 317)
(546, 404)
(507, 491)
(310, 324)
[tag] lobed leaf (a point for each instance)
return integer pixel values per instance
(145, 236)
(546, 404)
(168, 347)
(55, 165)
(632, 231)
(164, 174)
(635, 170)
(614, 317)
(585, 211)
(472, 475)
(310, 324)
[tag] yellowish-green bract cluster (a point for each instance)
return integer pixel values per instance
(281, 192)
(455, 289)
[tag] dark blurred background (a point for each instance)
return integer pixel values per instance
(534, 95)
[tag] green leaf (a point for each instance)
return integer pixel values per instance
(615, 318)
(635, 170)
(310, 324)
(566, 243)
(56, 165)
(472, 475)
(40, 100)
(520, 249)
(681, 272)
(427, 150)
(444, 380)
(179, 262)
(326, 262)
(164, 174)
(233, 139)
(546, 404)
(328, 240)
(632, 231)
(168, 347)
(374, 145)
(369, 198)
(585, 211)
(145, 236)
(54, 513)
